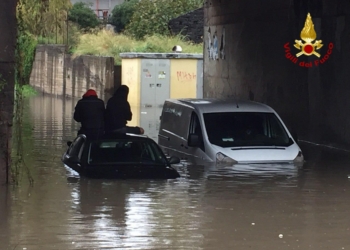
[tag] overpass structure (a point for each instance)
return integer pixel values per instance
(272, 51)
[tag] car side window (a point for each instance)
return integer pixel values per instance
(71, 147)
(76, 147)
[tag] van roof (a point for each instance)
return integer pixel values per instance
(210, 105)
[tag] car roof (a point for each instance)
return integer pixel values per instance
(117, 136)
(211, 105)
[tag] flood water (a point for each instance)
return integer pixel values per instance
(242, 207)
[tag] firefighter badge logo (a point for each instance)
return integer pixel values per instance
(308, 46)
(308, 35)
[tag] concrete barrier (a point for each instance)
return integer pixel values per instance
(56, 72)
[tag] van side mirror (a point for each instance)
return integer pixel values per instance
(174, 160)
(193, 140)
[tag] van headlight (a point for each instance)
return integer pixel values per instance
(224, 159)
(299, 159)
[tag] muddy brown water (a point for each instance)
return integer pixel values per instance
(209, 207)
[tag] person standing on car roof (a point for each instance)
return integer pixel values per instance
(90, 112)
(118, 113)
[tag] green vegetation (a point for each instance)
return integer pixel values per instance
(107, 43)
(25, 53)
(144, 26)
(47, 21)
(43, 18)
(152, 17)
(27, 91)
(82, 15)
(71, 42)
(121, 14)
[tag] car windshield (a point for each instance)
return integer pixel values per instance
(124, 151)
(235, 129)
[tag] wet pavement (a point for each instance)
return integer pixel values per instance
(209, 207)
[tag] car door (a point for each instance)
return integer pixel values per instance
(149, 161)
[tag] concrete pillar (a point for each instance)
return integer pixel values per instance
(8, 31)
(246, 44)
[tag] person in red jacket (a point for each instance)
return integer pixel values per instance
(90, 112)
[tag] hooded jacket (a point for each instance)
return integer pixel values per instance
(118, 110)
(90, 111)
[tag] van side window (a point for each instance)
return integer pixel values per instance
(195, 128)
(175, 119)
(170, 117)
(277, 131)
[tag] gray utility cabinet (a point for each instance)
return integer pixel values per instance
(155, 89)
(154, 77)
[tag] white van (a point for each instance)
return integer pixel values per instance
(225, 131)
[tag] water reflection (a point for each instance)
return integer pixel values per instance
(208, 207)
(239, 172)
(129, 214)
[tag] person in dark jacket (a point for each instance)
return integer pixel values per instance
(90, 112)
(118, 113)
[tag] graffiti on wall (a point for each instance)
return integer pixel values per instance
(213, 45)
(214, 51)
(183, 76)
(222, 45)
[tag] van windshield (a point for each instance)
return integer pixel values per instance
(235, 129)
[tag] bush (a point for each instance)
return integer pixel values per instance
(42, 18)
(121, 14)
(25, 54)
(152, 16)
(107, 43)
(73, 35)
(83, 16)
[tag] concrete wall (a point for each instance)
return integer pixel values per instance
(190, 25)
(58, 73)
(245, 57)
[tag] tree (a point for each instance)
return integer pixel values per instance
(152, 16)
(83, 16)
(43, 17)
(121, 14)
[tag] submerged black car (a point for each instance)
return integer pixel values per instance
(121, 156)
